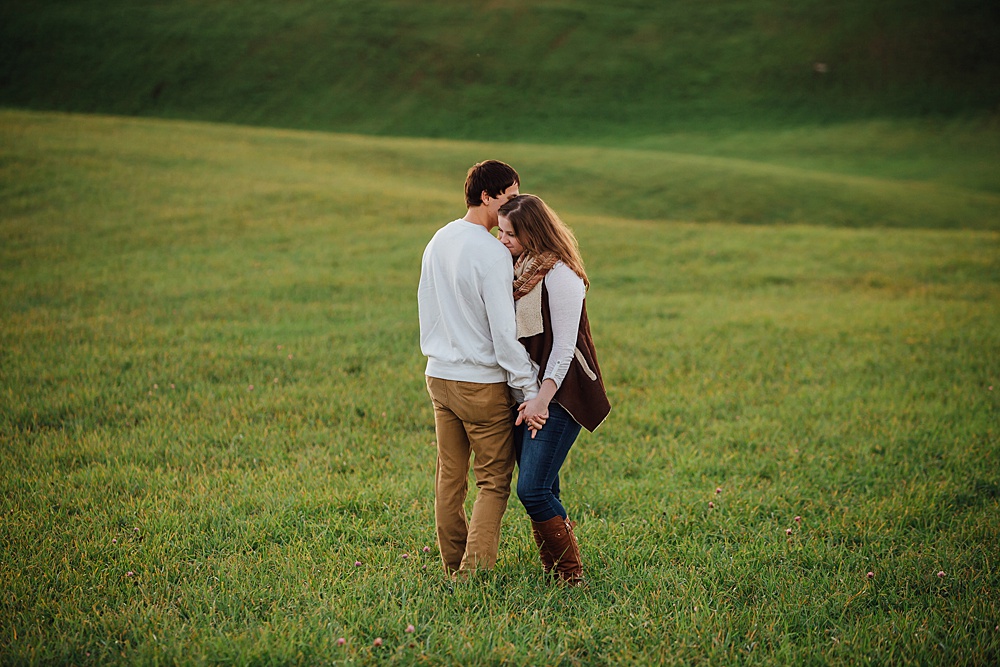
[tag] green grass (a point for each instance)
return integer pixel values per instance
(511, 70)
(834, 359)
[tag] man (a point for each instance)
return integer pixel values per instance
(467, 333)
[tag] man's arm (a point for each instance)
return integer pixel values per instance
(498, 295)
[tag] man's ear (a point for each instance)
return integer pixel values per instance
(483, 196)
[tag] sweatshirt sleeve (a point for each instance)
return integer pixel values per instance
(566, 294)
(498, 295)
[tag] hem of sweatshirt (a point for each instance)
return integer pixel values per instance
(465, 372)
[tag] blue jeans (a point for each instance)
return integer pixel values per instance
(539, 460)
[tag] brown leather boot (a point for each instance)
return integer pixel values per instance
(548, 562)
(559, 541)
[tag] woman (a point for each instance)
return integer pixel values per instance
(550, 286)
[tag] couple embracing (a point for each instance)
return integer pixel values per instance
(511, 369)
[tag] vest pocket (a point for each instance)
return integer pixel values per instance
(578, 355)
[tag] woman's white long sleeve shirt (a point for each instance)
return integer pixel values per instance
(566, 294)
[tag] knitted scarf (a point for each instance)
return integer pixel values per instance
(528, 274)
(529, 271)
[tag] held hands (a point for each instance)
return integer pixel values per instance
(533, 413)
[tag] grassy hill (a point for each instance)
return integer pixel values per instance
(859, 175)
(506, 69)
(216, 444)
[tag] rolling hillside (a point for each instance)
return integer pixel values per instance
(504, 69)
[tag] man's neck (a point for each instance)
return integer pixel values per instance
(479, 216)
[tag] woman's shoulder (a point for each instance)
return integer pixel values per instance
(561, 270)
(560, 276)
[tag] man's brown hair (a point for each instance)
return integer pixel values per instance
(491, 176)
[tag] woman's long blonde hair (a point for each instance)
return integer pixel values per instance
(540, 230)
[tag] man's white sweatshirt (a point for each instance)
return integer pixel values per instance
(466, 306)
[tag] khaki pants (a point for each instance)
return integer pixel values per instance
(470, 417)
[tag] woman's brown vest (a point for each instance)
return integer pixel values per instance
(582, 390)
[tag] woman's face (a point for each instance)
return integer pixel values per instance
(508, 237)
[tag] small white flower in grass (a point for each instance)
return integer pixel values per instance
(798, 519)
(357, 563)
(718, 490)
(130, 573)
(114, 540)
(871, 575)
(711, 505)
(427, 550)
(424, 567)
(788, 531)
(250, 388)
(410, 628)
(941, 574)
(377, 642)
(405, 556)
(341, 641)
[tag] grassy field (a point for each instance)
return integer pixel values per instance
(216, 446)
